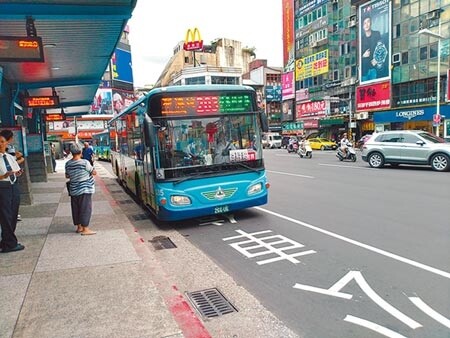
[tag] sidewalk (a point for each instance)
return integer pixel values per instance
(67, 285)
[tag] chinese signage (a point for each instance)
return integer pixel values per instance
(41, 101)
(21, 49)
(287, 85)
(373, 97)
(311, 65)
(308, 109)
(273, 93)
(374, 41)
(288, 35)
(292, 127)
(302, 94)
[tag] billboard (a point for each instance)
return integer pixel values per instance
(288, 35)
(374, 96)
(311, 65)
(121, 66)
(374, 41)
(287, 86)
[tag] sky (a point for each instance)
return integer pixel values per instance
(156, 27)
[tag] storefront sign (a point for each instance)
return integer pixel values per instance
(292, 127)
(273, 93)
(193, 40)
(407, 115)
(373, 97)
(310, 123)
(308, 109)
(302, 94)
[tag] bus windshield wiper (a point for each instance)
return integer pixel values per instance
(198, 174)
(246, 166)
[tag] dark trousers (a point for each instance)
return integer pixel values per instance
(9, 209)
(81, 209)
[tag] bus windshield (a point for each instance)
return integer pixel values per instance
(202, 145)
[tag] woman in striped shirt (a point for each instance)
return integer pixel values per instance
(81, 187)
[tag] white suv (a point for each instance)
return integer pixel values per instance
(407, 147)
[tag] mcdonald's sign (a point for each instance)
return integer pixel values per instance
(193, 40)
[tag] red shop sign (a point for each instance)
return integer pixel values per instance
(375, 96)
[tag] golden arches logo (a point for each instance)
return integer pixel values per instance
(193, 40)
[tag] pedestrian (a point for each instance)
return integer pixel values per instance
(9, 199)
(81, 188)
(9, 136)
(53, 156)
(88, 153)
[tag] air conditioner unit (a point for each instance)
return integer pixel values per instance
(396, 58)
(314, 44)
(351, 23)
(335, 1)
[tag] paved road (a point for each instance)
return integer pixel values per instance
(369, 249)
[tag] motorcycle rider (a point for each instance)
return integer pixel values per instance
(302, 142)
(344, 144)
(293, 140)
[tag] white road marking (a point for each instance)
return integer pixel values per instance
(345, 166)
(365, 287)
(265, 245)
(327, 292)
(361, 245)
(288, 174)
(373, 326)
(430, 312)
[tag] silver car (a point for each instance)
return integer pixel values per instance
(407, 147)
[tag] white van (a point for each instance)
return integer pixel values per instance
(271, 140)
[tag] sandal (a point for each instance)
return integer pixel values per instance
(89, 232)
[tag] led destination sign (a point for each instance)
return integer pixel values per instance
(206, 104)
(21, 49)
(41, 101)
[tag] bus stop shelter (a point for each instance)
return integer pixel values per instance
(53, 54)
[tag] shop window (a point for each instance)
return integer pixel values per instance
(397, 31)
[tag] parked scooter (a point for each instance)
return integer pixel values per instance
(304, 149)
(351, 154)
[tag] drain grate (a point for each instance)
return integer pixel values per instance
(210, 303)
(125, 202)
(139, 217)
(162, 242)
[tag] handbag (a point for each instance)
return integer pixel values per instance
(68, 188)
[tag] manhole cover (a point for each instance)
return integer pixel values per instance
(162, 242)
(210, 303)
(125, 202)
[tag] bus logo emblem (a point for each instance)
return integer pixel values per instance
(219, 194)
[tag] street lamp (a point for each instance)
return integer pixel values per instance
(438, 86)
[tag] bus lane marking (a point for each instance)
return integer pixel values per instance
(373, 326)
(266, 245)
(365, 287)
(382, 252)
(429, 311)
(288, 174)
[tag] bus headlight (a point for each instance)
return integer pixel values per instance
(254, 189)
(180, 200)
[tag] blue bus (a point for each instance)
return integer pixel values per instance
(101, 145)
(191, 151)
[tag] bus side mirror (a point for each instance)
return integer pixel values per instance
(264, 121)
(148, 132)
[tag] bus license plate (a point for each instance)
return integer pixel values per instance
(222, 209)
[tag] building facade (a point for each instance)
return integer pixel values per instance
(364, 66)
